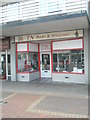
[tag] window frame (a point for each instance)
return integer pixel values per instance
(27, 51)
(67, 50)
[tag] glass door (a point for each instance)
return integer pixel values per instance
(9, 67)
(45, 61)
(3, 66)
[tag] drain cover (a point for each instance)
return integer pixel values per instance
(3, 102)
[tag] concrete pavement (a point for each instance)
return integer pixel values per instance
(44, 100)
(45, 87)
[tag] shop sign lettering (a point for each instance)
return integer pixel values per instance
(55, 35)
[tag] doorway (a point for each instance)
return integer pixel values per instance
(3, 66)
(45, 64)
(5, 71)
(9, 67)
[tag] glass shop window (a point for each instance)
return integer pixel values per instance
(27, 62)
(68, 61)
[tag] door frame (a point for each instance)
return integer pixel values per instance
(6, 62)
(46, 52)
(5, 77)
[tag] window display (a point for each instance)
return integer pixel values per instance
(27, 61)
(68, 61)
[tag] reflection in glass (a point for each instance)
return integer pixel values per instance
(27, 62)
(45, 62)
(9, 65)
(3, 68)
(68, 61)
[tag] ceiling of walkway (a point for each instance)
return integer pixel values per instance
(50, 26)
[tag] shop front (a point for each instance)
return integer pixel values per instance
(5, 59)
(60, 56)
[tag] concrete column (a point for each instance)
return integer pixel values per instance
(89, 72)
(13, 60)
(89, 56)
(86, 54)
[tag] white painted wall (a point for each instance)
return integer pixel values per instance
(26, 77)
(34, 75)
(23, 77)
(76, 78)
(72, 78)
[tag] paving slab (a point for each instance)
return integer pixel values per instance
(39, 99)
(17, 104)
(44, 106)
(64, 104)
(6, 94)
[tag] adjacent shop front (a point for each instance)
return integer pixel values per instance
(58, 55)
(5, 61)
